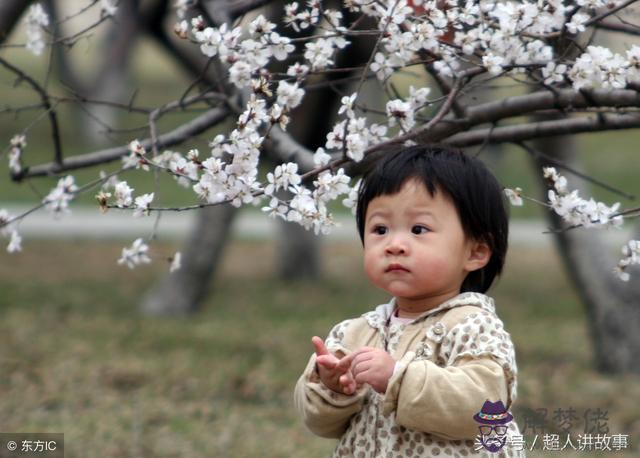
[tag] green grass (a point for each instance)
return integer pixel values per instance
(77, 358)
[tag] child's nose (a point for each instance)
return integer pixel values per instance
(397, 245)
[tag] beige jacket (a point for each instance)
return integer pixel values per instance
(450, 361)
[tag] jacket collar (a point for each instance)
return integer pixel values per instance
(379, 317)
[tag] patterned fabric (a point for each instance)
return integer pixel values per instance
(451, 347)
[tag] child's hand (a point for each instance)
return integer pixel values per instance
(373, 366)
(334, 372)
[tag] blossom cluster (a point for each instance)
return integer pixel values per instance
(631, 253)
(57, 201)
(575, 210)
(18, 143)
(35, 21)
(7, 229)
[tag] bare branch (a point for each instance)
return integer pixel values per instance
(621, 28)
(44, 96)
(529, 131)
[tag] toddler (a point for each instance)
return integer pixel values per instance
(433, 371)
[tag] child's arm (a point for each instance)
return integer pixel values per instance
(480, 365)
(325, 411)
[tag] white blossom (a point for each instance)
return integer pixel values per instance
(176, 262)
(401, 112)
(18, 143)
(576, 210)
(36, 20)
(135, 255)
(381, 66)
(321, 158)
(289, 95)
(122, 193)
(514, 196)
(347, 105)
(284, 176)
(554, 73)
(15, 244)
(108, 7)
(631, 253)
(57, 201)
(576, 24)
(276, 209)
(142, 204)
(352, 197)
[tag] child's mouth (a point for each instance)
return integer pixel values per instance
(396, 268)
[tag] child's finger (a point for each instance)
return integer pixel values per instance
(328, 361)
(319, 345)
(348, 383)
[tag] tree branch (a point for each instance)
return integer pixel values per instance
(179, 135)
(46, 102)
(541, 129)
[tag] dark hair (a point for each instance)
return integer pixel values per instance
(475, 192)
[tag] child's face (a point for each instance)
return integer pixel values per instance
(415, 247)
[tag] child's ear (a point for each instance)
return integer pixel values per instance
(479, 256)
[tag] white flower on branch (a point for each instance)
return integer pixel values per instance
(122, 193)
(381, 66)
(260, 26)
(280, 46)
(276, 209)
(329, 186)
(514, 196)
(136, 158)
(176, 262)
(352, 197)
(108, 7)
(401, 112)
(210, 40)
(36, 20)
(347, 105)
(319, 53)
(418, 97)
(493, 63)
(284, 176)
(240, 74)
(18, 143)
(576, 210)
(631, 253)
(57, 201)
(185, 171)
(5, 217)
(135, 255)
(108, 181)
(321, 158)
(633, 63)
(298, 70)
(15, 243)
(182, 6)
(289, 95)
(142, 204)
(577, 23)
(554, 73)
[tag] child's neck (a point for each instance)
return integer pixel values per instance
(413, 308)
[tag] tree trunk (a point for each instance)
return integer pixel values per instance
(10, 11)
(612, 306)
(181, 292)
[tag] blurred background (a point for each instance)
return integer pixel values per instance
(81, 354)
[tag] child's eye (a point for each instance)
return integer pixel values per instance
(379, 230)
(418, 229)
